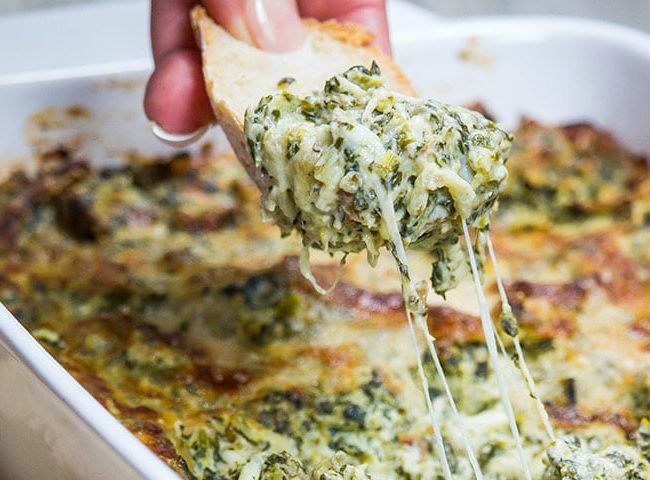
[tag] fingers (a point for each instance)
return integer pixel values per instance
(272, 25)
(170, 26)
(371, 14)
(175, 97)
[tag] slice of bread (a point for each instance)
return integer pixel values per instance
(238, 75)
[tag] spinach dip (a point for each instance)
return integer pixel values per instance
(336, 158)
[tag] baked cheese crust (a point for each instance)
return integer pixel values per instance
(160, 289)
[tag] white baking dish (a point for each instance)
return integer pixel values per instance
(556, 70)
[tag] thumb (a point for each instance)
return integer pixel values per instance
(272, 25)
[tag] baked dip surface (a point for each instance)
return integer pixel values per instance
(160, 289)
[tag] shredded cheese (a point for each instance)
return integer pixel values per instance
(440, 163)
(357, 167)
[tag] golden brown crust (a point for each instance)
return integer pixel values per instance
(570, 417)
(577, 168)
(143, 422)
(576, 285)
(343, 32)
(546, 311)
(641, 327)
(450, 326)
(601, 258)
(358, 36)
(339, 356)
(446, 324)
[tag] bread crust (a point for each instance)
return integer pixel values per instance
(237, 74)
(358, 36)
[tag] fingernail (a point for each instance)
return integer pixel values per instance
(275, 25)
(238, 28)
(178, 140)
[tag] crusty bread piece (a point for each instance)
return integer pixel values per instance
(238, 75)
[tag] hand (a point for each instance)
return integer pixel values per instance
(175, 97)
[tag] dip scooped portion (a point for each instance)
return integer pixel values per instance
(336, 159)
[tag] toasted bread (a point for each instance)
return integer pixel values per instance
(237, 74)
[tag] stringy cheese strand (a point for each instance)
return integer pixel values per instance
(523, 367)
(399, 253)
(459, 421)
(440, 446)
(305, 270)
(490, 342)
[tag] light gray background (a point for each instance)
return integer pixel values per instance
(635, 13)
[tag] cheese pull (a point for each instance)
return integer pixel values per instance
(346, 156)
(331, 133)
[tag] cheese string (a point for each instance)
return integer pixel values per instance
(490, 342)
(399, 253)
(521, 360)
(424, 328)
(305, 270)
(437, 432)
(415, 306)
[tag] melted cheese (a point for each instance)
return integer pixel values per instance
(248, 314)
(361, 167)
(326, 156)
(489, 333)
(506, 311)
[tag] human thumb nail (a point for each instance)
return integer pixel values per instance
(274, 25)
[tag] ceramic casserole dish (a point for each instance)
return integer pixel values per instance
(552, 69)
